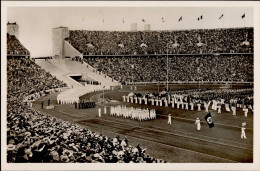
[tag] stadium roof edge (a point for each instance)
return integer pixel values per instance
(164, 30)
(60, 27)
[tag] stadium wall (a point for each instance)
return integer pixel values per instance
(191, 82)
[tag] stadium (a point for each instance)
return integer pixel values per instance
(138, 96)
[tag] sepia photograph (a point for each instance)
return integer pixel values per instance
(155, 84)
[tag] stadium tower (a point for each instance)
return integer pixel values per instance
(13, 29)
(14, 46)
(67, 63)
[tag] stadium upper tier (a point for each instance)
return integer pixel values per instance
(203, 41)
(14, 46)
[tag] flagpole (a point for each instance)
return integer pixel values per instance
(158, 86)
(231, 72)
(167, 69)
(103, 94)
(202, 24)
(222, 22)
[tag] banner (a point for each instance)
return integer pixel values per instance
(209, 120)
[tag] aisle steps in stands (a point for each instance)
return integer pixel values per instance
(62, 69)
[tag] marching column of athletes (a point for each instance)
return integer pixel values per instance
(133, 113)
(130, 112)
(182, 102)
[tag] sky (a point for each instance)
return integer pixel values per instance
(36, 23)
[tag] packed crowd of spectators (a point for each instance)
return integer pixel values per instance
(14, 46)
(181, 68)
(233, 40)
(35, 137)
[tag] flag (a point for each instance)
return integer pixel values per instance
(243, 16)
(143, 20)
(221, 16)
(162, 19)
(209, 120)
(200, 17)
(180, 18)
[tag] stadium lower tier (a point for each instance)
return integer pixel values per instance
(238, 68)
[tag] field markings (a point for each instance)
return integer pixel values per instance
(166, 132)
(172, 146)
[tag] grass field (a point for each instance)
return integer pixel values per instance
(179, 142)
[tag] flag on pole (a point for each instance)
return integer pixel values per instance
(163, 19)
(200, 17)
(180, 18)
(143, 20)
(243, 16)
(209, 120)
(221, 16)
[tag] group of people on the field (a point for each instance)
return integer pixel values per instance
(65, 100)
(207, 68)
(84, 104)
(218, 100)
(161, 42)
(72, 96)
(133, 113)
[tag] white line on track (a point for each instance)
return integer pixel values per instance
(181, 135)
(173, 146)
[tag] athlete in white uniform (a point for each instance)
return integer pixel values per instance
(233, 108)
(243, 133)
(191, 106)
(197, 123)
(206, 107)
(99, 112)
(169, 119)
(199, 106)
(245, 111)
